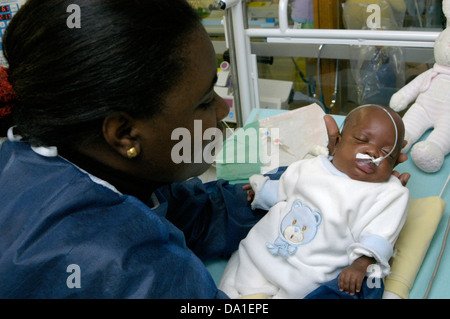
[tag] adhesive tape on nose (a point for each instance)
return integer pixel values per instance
(376, 161)
(364, 156)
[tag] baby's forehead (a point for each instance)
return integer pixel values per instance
(377, 121)
(364, 116)
(364, 111)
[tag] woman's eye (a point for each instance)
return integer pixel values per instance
(207, 104)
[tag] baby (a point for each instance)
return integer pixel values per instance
(329, 217)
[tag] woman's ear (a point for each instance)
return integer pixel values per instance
(120, 133)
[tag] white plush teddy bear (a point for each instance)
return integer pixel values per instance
(431, 109)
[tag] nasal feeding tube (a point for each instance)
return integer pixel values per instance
(367, 157)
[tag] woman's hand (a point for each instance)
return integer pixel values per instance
(404, 178)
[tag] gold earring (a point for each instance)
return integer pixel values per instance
(132, 153)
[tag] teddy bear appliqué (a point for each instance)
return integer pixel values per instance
(298, 227)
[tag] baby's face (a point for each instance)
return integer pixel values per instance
(368, 131)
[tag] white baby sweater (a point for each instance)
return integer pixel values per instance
(322, 221)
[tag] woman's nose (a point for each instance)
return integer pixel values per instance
(222, 108)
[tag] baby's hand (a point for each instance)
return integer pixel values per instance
(352, 277)
(351, 280)
(250, 192)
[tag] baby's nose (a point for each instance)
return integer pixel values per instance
(374, 151)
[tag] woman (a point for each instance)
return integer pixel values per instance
(93, 206)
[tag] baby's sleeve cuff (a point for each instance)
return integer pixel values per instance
(266, 192)
(373, 246)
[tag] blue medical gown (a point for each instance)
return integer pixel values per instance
(52, 216)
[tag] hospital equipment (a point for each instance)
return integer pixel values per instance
(319, 80)
(275, 94)
(245, 59)
(370, 159)
(441, 252)
(8, 9)
(226, 4)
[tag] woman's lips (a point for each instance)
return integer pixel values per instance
(365, 166)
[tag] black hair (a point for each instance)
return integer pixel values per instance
(124, 57)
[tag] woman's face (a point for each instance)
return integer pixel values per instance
(370, 131)
(191, 107)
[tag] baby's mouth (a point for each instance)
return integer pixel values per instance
(366, 166)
